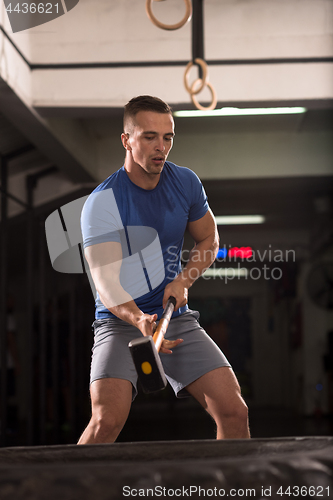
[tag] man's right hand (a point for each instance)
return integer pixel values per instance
(147, 326)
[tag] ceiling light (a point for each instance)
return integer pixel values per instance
(227, 111)
(239, 219)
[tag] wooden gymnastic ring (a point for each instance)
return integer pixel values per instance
(204, 79)
(170, 27)
(214, 98)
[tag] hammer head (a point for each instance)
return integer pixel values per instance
(148, 364)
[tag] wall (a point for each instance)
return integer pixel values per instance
(121, 32)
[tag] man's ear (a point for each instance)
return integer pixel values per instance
(125, 141)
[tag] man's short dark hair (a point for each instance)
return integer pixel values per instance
(145, 103)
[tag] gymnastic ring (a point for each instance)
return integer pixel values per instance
(204, 78)
(214, 98)
(163, 26)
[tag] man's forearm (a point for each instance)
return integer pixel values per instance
(128, 312)
(118, 301)
(113, 296)
(201, 258)
(105, 261)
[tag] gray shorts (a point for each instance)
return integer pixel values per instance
(197, 355)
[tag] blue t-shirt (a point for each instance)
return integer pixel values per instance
(150, 226)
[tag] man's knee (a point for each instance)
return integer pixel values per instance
(242, 410)
(111, 403)
(107, 426)
(237, 410)
(232, 422)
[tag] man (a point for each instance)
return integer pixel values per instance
(149, 192)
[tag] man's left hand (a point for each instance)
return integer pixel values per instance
(178, 290)
(167, 345)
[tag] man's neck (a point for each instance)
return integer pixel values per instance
(140, 177)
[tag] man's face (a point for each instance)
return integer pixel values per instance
(150, 138)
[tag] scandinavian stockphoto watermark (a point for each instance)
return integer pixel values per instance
(234, 263)
(28, 14)
(130, 265)
(133, 262)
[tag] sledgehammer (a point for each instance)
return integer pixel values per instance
(144, 351)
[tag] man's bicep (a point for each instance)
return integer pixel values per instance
(105, 261)
(203, 228)
(104, 254)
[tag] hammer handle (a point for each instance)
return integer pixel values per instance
(164, 323)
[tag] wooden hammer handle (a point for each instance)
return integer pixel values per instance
(164, 323)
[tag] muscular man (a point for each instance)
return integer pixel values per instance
(151, 197)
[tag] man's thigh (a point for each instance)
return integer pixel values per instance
(217, 390)
(195, 357)
(111, 358)
(111, 396)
